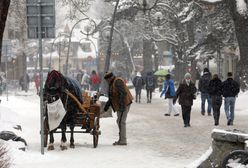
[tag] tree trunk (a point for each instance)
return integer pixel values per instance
(4, 7)
(147, 55)
(241, 29)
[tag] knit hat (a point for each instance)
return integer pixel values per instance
(205, 70)
(108, 75)
(138, 74)
(187, 75)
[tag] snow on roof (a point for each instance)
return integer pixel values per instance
(53, 55)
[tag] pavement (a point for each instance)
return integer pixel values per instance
(149, 128)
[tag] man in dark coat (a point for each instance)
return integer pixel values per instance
(203, 88)
(215, 91)
(120, 100)
(150, 85)
(231, 89)
(138, 83)
(186, 93)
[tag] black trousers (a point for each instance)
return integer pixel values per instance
(216, 104)
(186, 110)
(149, 94)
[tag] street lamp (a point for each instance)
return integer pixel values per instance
(69, 45)
(58, 37)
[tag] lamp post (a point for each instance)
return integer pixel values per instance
(69, 45)
(50, 59)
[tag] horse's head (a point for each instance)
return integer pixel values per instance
(54, 86)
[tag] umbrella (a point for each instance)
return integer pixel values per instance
(161, 72)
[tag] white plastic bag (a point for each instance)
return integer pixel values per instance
(56, 113)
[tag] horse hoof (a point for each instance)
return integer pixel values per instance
(72, 146)
(63, 147)
(50, 147)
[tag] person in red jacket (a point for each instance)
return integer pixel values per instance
(94, 81)
(37, 83)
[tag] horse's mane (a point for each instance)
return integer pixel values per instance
(57, 83)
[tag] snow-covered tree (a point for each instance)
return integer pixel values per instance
(239, 13)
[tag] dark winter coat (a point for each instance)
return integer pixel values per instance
(231, 88)
(204, 82)
(215, 87)
(138, 82)
(186, 93)
(150, 81)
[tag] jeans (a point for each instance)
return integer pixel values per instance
(204, 97)
(229, 107)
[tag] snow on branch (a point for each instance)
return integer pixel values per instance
(242, 7)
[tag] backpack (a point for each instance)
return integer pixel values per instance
(138, 82)
(204, 83)
(150, 81)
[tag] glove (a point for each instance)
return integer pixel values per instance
(106, 108)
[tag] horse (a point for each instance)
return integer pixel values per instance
(55, 88)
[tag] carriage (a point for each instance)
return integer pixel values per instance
(83, 114)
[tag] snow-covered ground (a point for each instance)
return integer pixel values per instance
(153, 139)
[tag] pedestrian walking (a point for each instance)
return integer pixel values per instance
(215, 91)
(186, 93)
(120, 100)
(231, 89)
(37, 83)
(150, 86)
(24, 82)
(203, 88)
(85, 81)
(95, 81)
(138, 83)
(169, 92)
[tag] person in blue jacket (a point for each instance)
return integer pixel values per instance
(169, 92)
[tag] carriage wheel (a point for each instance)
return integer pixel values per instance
(95, 132)
(235, 158)
(46, 130)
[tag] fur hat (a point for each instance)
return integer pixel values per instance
(187, 75)
(108, 75)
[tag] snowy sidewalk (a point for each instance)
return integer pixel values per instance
(153, 139)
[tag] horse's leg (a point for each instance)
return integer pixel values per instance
(63, 145)
(51, 141)
(72, 136)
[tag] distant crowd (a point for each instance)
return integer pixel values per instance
(211, 88)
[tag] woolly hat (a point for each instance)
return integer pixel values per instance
(205, 70)
(138, 74)
(108, 75)
(187, 75)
